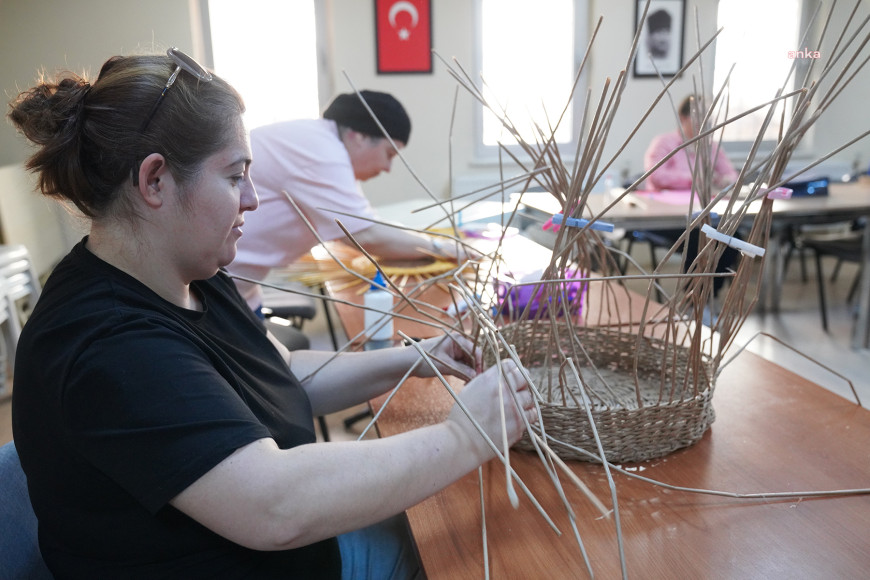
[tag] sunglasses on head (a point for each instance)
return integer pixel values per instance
(183, 62)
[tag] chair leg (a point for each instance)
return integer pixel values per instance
(820, 280)
(803, 258)
(321, 421)
(836, 271)
(652, 256)
(625, 259)
(622, 261)
(329, 319)
(854, 289)
(654, 262)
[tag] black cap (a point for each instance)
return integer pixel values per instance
(348, 110)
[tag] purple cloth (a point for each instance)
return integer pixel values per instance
(514, 298)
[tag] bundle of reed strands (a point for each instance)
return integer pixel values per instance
(666, 344)
(689, 354)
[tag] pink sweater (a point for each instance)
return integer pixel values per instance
(676, 173)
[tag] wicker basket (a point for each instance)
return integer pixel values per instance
(640, 413)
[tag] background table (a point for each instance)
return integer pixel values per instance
(845, 201)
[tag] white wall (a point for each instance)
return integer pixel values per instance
(81, 34)
(849, 115)
(609, 55)
(429, 98)
(78, 36)
(38, 223)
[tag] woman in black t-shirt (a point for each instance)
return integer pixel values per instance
(162, 429)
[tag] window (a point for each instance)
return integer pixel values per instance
(267, 49)
(764, 56)
(530, 73)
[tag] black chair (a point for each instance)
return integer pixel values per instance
(655, 240)
(297, 308)
(287, 334)
(794, 237)
(665, 239)
(652, 238)
(843, 247)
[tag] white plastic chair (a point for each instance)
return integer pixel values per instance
(19, 290)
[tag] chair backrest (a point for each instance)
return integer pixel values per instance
(19, 548)
(19, 281)
(18, 270)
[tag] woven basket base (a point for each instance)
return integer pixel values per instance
(635, 417)
(627, 435)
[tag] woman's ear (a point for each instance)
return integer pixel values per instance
(154, 180)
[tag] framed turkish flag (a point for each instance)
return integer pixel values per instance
(403, 36)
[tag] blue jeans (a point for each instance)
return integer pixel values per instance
(19, 547)
(383, 551)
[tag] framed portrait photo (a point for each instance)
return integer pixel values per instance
(660, 47)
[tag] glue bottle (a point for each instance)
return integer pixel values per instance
(379, 327)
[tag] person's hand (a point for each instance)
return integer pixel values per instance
(481, 398)
(453, 354)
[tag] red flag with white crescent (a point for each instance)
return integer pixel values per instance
(404, 36)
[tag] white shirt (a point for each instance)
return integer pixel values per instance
(307, 159)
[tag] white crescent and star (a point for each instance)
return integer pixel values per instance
(403, 6)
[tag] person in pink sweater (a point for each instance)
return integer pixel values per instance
(676, 172)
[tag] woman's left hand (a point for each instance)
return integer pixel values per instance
(452, 354)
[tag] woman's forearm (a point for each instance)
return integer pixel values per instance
(267, 498)
(395, 244)
(352, 378)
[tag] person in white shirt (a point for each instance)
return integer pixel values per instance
(320, 164)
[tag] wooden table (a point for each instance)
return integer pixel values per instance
(845, 201)
(774, 432)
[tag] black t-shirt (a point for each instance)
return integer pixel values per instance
(122, 400)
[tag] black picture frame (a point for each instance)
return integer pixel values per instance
(662, 52)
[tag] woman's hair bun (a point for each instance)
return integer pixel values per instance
(48, 110)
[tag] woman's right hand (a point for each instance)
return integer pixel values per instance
(481, 398)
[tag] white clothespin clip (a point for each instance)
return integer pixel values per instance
(559, 219)
(779, 193)
(744, 248)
